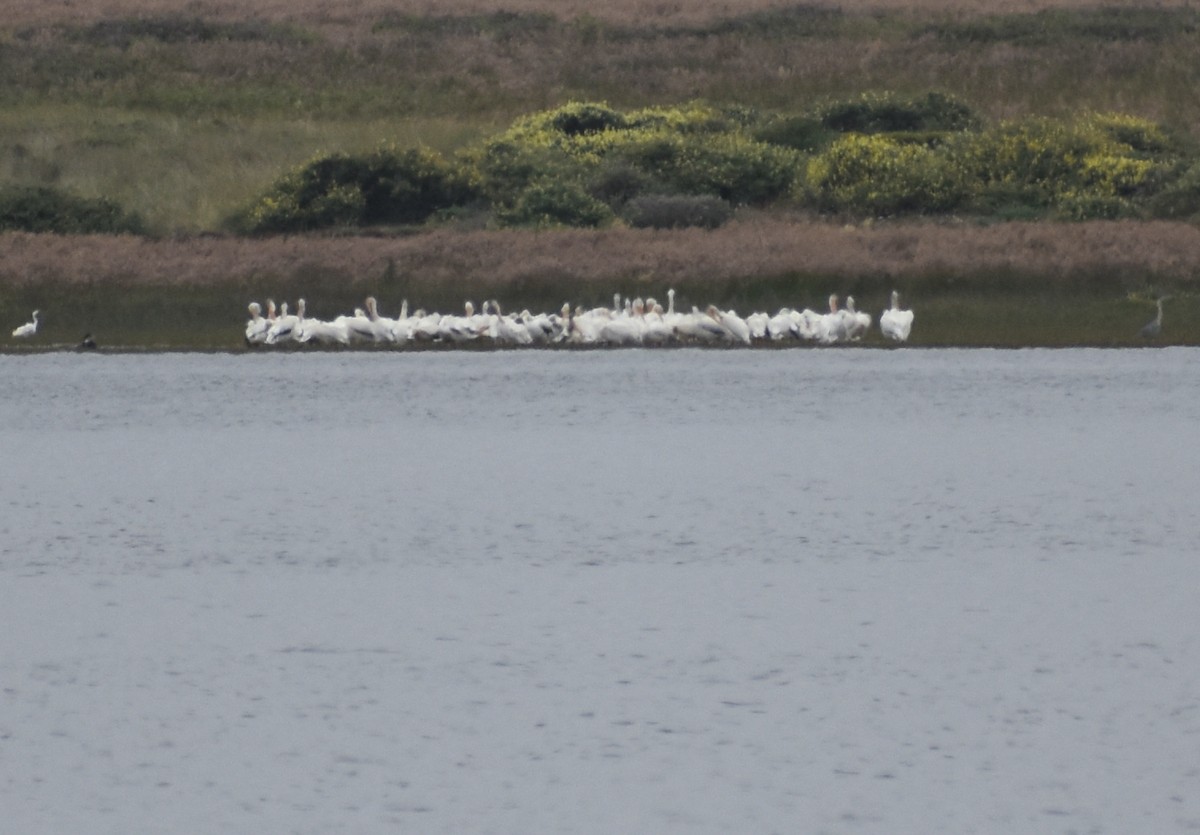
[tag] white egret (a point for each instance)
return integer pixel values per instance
(28, 329)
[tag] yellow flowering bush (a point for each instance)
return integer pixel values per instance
(877, 175)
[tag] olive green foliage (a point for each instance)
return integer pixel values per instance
(386, 187)
(589, 164)
(887, 113)
(615, 156)
(937, 158)
(1098, 166)
(880, 176)
(550, 203)
(43, 209)
(1181, 199)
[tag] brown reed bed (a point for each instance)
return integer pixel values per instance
(1129, 255)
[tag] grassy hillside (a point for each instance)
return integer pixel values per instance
(183, 112)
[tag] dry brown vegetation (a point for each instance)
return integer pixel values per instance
(342, 12)
(1129, 254)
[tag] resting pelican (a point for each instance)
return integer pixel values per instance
(782, 324)
(857, 323)
(381, 326)
(257, 327)
(758, 323)
(28, 329)
(284, 328)
(325, 333)
(832, 326)
(735, 326)
(1151, 330)
(894, 322)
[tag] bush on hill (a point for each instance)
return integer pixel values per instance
(43, 209)
(588, 164)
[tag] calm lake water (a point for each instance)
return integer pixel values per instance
(627, 591)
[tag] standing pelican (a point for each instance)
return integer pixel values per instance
(896, 323)
(1150, 330)
(28, 329)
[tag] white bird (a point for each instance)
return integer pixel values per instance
(857, 323)
(28, 329)
(758, 323)
(257, 327)
(896, 323)
(832, 326)
(285, 325)
(783, 325)
(701, 327)
(325, 333)
(735, 326)
(381, 326)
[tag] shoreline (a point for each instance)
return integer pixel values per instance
(1003, 285)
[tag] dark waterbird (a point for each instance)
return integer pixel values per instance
(88, 343)
(1153, 328)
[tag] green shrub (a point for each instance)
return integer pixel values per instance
(674, 211)
(384, 187)
(731, 166)
(1180, 199)
(1053, 162)
(803, 133)
(878, 176)
(42, 209)
(885, 113)
(551, 203)
(693, 149)
(587, 118)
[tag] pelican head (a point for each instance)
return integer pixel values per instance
(833, 303)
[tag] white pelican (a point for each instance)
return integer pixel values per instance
(28, 329)
(832, 326)
(656, 331)
(507, 330)
(358, 327)
(402, 327)
(625, 329)
(735, 326)
(758, 323)
(257, 327)
(285, 325)
(896, 323)
(857, 323)
(381, 326)
(782, 325)
(325, 333)
(701, 327)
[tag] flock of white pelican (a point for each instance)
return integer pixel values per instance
(631, 322)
